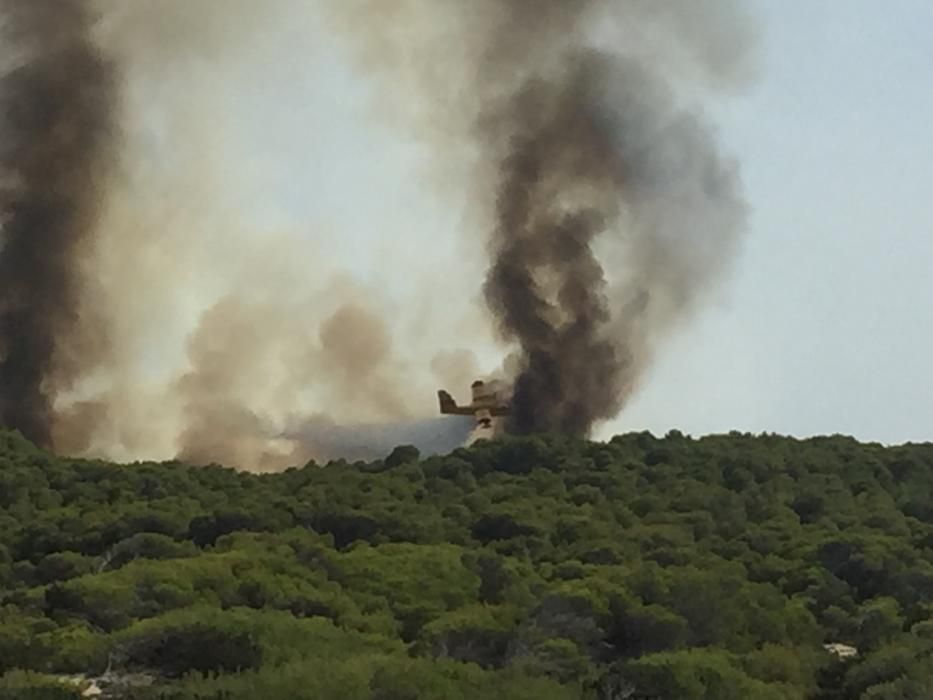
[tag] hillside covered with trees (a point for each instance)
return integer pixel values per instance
(538, 568)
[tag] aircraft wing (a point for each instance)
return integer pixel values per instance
(449, 407)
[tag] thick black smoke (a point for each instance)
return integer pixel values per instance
(546, 285)
(56, 124)
(613, 210)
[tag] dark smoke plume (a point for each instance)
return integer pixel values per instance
(581, 166)
(587, 148)
(56, 123)
(612, 214)
(546, 286)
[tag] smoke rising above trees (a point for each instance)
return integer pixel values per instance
(597, 153)
(56, 127)
(611, 212)
(595, 190)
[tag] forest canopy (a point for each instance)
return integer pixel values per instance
(536, 567)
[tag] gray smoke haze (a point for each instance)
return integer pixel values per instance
(56, 129)
(612, 213)
(369, 441)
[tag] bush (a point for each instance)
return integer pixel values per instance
(173, 648)
(19, 685)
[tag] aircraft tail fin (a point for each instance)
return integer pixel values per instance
(449, 407)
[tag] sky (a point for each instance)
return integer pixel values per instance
(826, 324)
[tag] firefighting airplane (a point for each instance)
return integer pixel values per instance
(488, 404)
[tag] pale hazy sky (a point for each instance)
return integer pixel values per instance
(827, 324)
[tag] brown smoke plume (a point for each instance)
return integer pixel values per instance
(56, 126)
(219, 331)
